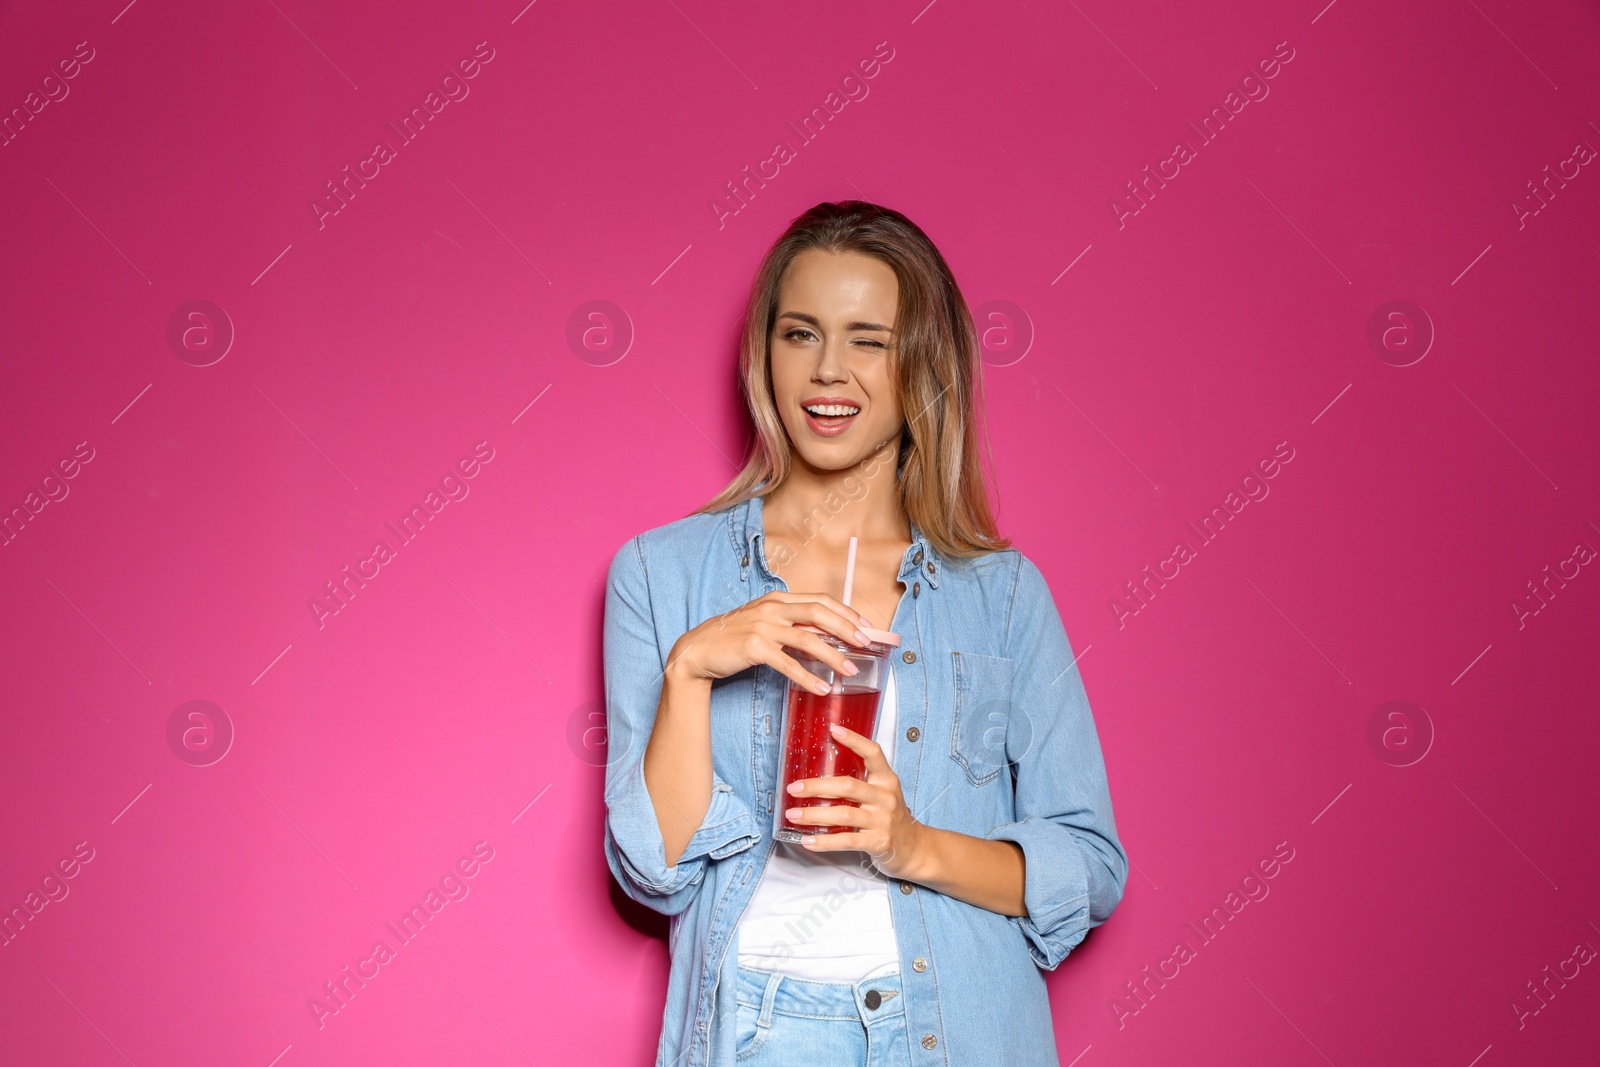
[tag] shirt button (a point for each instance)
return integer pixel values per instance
(929, 1041)
(919, 965)
(905, 887)
(918, 557)
(931, 567)
(912, 733)
(909, 656)
(916, 589)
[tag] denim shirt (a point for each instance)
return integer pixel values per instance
(995, 740)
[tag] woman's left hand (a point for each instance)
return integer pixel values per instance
(885, 826)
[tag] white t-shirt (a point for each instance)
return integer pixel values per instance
(824, 916)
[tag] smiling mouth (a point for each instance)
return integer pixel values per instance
(829, 420)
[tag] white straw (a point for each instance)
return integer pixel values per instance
(849, 587)
(849, 572)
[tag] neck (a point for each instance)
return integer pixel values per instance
(832, 506)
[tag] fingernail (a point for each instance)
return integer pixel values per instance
(836, 729)
(861, 638)
(863, 620)
(793, 787)
(791, 813)
(850, 668)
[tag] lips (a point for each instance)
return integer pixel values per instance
(830, 416)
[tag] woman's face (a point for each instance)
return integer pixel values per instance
(831, 366)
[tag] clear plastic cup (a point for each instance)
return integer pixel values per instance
(809, 750)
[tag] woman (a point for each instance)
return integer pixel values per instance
(983, 848)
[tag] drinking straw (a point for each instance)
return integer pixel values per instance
(849, 572)
(849, 587)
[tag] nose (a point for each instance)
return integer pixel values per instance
(830, 362)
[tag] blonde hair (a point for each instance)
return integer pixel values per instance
(937, 368)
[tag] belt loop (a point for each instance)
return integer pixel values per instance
(768, 999)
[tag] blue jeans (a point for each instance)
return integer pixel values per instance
(791, 1022)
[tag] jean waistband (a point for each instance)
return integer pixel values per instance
(867, 1000)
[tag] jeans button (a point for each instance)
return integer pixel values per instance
(929, 1041)
(909, 656)
(873, 999)
(905, 887)
(912, 733)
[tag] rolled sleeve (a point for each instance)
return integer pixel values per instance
(1075, 868)
(638, 854)
(634, 848)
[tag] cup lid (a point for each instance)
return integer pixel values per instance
(882, 637)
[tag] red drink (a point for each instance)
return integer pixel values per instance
(811, 752)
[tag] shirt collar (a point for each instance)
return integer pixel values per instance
(921, 562)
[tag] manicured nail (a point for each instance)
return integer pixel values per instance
(864, 620)
(794, 787)
(836, 730)
(808, 840)
(792, 814)
(861, 638)
(851, 668)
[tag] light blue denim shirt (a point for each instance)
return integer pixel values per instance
(995, 740)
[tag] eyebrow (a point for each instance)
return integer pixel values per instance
(849, 326)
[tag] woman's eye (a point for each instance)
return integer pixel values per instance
(800, 333)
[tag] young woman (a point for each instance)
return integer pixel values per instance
(983, 848)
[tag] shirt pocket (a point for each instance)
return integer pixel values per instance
(983, 713)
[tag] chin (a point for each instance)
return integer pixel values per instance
(838, 456)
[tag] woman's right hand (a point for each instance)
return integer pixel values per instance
(756, 633)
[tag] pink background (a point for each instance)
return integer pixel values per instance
(452, 700)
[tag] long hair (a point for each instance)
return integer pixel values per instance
(937, 370)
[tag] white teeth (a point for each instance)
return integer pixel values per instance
(833, 409)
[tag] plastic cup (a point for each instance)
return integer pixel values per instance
(809, 750)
